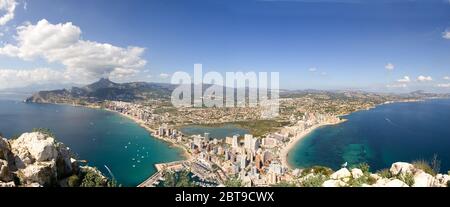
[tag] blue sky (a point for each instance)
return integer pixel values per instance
(322, 44)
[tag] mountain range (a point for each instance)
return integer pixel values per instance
(104, 89)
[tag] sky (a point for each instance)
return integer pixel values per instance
(382, 45)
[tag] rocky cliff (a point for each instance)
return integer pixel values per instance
(38, 160)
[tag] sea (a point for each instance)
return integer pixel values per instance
(381, 136)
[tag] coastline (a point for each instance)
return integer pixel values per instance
(292, 142)
(286, 149)
(152, 132)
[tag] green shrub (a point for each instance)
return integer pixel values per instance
(407, 178)
(233, 182)
(384, 173)
(314, 181)
(365, 179)
(326, 171)
(284, 184)
(73, 181)
(178, 179)
(425, 166)
(371, 180)
(93, 179)
(358, 182)
(364, 167)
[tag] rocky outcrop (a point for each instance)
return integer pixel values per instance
(334, 183)
(422, 179)
(401, 168)
(357, 173)
(400, 174)
(342, 173)
(36, 160)
(35, 146)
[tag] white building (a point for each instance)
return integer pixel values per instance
(243, 161)
(235, 143)
(248, 141)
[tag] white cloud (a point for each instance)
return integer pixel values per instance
(389, 66)
(405, 79)
(400, 85)
(444, 85)
(10, 78)
(424, 78)
(164, 75)
(312, 69)
(446, 34)
(25, 5)
(7, 8)
(324, 73)
(83, 59)
(446, 78)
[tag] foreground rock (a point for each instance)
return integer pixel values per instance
(400, 174)
(37, 160)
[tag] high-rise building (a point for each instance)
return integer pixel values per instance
(161, 131)
(235, 143)
(248, 141)
(258, 161)
(267, 157)
(243, 161)
(227, 155)
(254, 145)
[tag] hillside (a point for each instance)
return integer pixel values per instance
(104, 89)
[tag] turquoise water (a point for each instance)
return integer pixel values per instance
(381, 136)
(98, 136)
(226, 130)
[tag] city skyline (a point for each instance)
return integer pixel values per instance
(393, 46)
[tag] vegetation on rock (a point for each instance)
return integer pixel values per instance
(178, 179)
(233, 182)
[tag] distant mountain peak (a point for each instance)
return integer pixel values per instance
(102, 83)
(419, 92)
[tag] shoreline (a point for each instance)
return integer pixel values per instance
(286, 149)
(185, 154)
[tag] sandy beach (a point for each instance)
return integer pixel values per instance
(293, 141)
